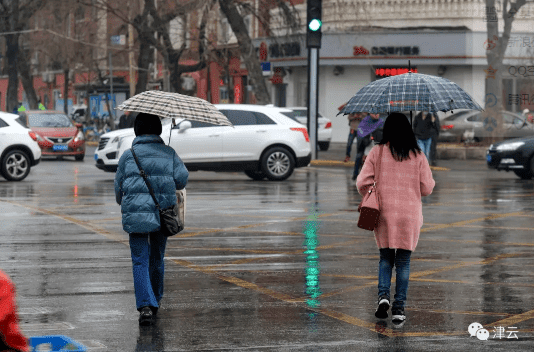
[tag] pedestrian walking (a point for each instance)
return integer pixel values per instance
(423, 125)
(435, 135)
(11, 338)
(405, 177)
(366, 127)
(140, 218)
(354, 120)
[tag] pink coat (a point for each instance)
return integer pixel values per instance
(400, 187)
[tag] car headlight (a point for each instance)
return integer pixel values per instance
(509, 146)
(120, 142)
(115, 140)
(79, 137)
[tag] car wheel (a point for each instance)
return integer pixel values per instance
(255, 175)
(79, 157)
(15, 165)
(523, 174)
(277, 164)
(324, 146)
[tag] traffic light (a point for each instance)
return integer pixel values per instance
(314, 24)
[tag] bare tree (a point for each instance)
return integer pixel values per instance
(15, 15)
(496, 48)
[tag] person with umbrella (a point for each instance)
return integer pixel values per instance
(140, 217)
(404, 177)
(368, 125)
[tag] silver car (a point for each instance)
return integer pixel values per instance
(473, 125)
(324, 130)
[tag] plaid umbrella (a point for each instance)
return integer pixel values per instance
(409, 92)
(175, 105)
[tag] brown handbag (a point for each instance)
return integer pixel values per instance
(369, 207)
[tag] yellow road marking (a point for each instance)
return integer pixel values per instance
(459, 312)
(464, 222)
(511, 321)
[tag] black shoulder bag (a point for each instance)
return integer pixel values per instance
(170, 223)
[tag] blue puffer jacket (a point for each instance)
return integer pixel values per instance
(167, 173)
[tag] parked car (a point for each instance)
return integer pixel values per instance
(56, 134)
(324, 129)
(79, 112)
(19, 150)
(471, 124)
(263, 143)
(515, 155)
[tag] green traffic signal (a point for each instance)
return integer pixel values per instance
(315, 25)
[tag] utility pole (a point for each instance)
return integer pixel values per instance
(313, 42)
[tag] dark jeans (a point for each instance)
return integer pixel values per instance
(401, 260)
(352, 136)
(361, 144)
(433, 146)
(148, 251)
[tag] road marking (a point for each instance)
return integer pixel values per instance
(513, 320)
(461, 223)
(25, 327)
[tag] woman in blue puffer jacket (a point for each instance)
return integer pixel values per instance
(140, 217)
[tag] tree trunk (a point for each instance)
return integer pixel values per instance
(248, 52)
(12, 52)
(66, 91)
(27, 79)
(495, 51)
(143, 61)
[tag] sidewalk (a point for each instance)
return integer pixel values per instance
(336, 153)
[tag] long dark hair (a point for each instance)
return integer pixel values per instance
(399, 134)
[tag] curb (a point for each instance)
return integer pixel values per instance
(92, 144)
(351, 164)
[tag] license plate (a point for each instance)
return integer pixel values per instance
(60, 148)
(96, 156)
(488, 158)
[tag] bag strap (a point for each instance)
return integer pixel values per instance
(145, 177)
(377, 174)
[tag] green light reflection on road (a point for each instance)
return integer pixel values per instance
(312, 269)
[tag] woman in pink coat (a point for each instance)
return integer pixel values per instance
(405, 177)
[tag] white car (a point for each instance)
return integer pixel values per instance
(324, 129)
(263, 143)
(19, 150)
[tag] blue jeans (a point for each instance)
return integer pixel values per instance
(401, 260)
(425, 145)
(352, 136)
(148, 267)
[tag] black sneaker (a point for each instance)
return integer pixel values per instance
(145, 316)
(398, 315)
(383, 307)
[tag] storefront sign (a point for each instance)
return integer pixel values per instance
(395, 50)
(389, 71)
(284, 50)
(359, 50)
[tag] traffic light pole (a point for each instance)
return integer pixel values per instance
(313, 96)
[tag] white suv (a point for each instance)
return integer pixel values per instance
(263, 143)
(19, 150)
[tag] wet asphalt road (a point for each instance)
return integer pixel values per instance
(272, 266)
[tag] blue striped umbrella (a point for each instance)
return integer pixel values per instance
(410, 92)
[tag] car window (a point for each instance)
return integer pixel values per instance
(49, 120)
(22, 120)
(474, 118)
(292, 115)
(3, 123)
(457, 115)
(303, 113)
(262, 119)
(240, 117)
(199, 124)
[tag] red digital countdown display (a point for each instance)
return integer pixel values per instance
(386, 72)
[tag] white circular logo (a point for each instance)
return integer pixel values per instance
(473, 328)
(482, 334)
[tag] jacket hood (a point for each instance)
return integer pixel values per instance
(147, 138)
